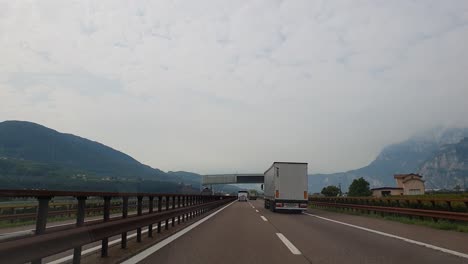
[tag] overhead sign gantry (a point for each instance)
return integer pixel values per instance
(232, 178)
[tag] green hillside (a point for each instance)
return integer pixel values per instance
(35, 157)
(29, 141)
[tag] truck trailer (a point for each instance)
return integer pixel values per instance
(285, 187)
(242, 196)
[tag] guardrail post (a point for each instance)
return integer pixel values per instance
(178, 206)
(196, 202)
(184, 201)
(193, 203)
(80, 216)
(188, 204)
(173, 207)
(123, 243)
(159, 210)
(167, 209)
(41, 222)
(201, 202)
(105, 241)
(42, 212)
(449, 205)
(139, 213)
(150, 210)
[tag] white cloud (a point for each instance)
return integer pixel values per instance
(220, 86)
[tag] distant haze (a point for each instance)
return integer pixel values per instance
(231, 86)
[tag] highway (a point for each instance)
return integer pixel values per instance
(245, 232)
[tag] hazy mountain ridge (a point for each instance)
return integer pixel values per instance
(448, 167)
(405, 157)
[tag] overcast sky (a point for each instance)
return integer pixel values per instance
(231, 86)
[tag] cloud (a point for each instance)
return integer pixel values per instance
(222, 86)
(82, 82)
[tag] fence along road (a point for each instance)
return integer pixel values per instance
(239, 234)
(246, 232)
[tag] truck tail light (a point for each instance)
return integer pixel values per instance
(277, 194)
(303, 205)
(279, 205)
(305, 195)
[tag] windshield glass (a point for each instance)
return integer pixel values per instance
(234, 131)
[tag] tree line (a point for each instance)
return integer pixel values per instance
(359, 187)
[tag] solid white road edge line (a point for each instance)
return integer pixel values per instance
(288, 244)
(146, 253)
(445, 250)
(264, 218)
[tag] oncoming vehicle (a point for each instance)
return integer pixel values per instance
(242, 196)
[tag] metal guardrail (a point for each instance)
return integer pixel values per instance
(434, 214)
(447, 204)
(71, 210)
(48, 242)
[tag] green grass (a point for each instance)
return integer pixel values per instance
(440, 224)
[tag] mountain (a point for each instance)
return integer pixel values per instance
(36, 157)
(405, 157)
(29, 141)
(448, 167)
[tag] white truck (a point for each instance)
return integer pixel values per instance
(242, 196)
(285, 187)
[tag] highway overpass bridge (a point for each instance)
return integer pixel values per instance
(178, 228)
(232, 178)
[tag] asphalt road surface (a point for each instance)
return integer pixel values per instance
(245, 232)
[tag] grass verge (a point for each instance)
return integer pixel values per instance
(440, 224)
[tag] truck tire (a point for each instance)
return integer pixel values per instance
(273, 207)
(267, 204)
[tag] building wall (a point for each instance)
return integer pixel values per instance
(413, 187)
(399, 182)
(378, 193)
